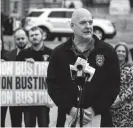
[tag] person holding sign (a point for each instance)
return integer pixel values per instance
(101, 90)
(21, 40)
(3, 108)
(37, 52)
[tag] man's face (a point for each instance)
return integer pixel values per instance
(35, 37)
(20, 39)
(83, 26)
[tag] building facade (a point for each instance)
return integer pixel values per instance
(19, 8)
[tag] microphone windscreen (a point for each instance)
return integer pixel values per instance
(79, 67)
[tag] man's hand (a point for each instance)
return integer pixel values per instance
(88, 115)
(30, 60)
(117, 102)
(1, 60)
(73, 111)
(87, 118)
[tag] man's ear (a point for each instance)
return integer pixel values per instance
(71, 25)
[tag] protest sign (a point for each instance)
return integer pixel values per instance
(23, 83)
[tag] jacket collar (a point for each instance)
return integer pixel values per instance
(69, 43)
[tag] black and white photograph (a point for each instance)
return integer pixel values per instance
(66, 63)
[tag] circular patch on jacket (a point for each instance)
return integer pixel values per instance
(100, 60)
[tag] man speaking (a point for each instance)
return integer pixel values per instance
(99, 92)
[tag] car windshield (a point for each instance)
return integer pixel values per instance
(35, 14)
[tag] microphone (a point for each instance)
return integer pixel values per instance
(89, 72)
(80, 61)
(80, 78)
(81, 71)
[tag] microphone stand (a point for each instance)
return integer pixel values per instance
(81, 82)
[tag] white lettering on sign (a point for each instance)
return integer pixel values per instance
(6, 68)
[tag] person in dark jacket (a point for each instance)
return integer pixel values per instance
(37, 52)
(21, 40)
(101, 91)
(3, 108)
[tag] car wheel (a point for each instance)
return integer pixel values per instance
(99, 33)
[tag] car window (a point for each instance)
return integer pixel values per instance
(57, 14)
(35, 14)
(69, 14)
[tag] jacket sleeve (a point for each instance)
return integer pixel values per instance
(112, 84)
(58, 90)
(128, 93)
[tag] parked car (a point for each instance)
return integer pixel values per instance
(55, 22)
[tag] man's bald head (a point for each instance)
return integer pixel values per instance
(20, 38)
(79, 13)
(19, 31)
(82, 24)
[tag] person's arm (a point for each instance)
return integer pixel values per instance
(127, 94)
(129, 91)
(57, 88)
(111, 90)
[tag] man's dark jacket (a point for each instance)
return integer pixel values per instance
(100, 93)
(36, 55)
(15, 111)
(11, 56)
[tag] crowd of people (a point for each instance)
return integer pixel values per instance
(24, 53)
(109, 93)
